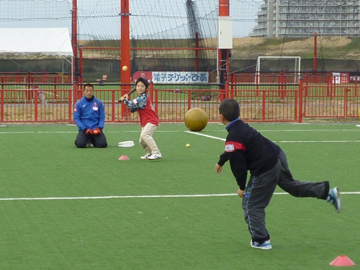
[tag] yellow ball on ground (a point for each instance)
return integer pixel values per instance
(187, 145)
(196, 119)
(124, 68)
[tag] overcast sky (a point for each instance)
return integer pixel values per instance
(99, 19)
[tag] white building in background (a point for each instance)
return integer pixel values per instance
(301, 18)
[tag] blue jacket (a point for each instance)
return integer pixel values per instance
(89, 113)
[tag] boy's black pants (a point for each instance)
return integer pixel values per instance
(260, 189)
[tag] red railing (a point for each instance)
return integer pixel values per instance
(335, 101)
(29, 103)
(34, 78)
(283, 102)
(279, 77)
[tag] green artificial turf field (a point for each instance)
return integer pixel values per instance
(67, 208)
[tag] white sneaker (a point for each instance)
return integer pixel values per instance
(145, 156)
(154, 156)
(89, 144)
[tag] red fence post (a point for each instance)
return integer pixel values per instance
(35, 103)
(189, 100)
(257, 82)
(356, 87)
(112, 105)
(226, 90)
(122, 93)
(329, 83)
(2, 104)
(300, 101)
(264, 105)
(74, 94)
(279, 81)
(72, 99)
(296, 94)
(28, 78)
(70, 106)
(55, 82)
(156, 98)
(346, 101)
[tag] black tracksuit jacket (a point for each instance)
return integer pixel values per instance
(248, 150)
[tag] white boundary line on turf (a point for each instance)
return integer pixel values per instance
(222, 139)
(204, 135)
(144, 197)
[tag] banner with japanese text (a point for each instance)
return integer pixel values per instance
(183, 77)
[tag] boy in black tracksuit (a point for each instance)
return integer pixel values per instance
(248, 150)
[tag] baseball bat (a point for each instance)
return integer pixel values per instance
(132, 91)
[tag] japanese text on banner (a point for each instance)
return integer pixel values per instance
(173, 77)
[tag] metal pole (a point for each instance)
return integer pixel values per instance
(315, 53)
(223, 54)
(125, 51)
(74, 37)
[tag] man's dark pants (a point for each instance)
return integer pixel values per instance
(97, 140)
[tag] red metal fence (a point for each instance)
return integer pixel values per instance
(31, 77)
(334, 101)
(36, 103)
(285, 102)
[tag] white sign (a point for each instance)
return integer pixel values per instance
(225, 32)
(336, 77)
(174, 77)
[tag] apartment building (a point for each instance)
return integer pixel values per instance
(301, 18)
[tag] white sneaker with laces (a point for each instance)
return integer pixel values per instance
(145, 156)
(154, 156)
